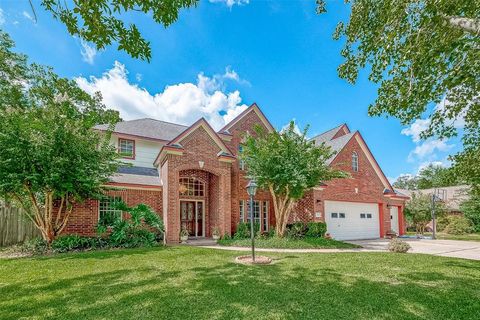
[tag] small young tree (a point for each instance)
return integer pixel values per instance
(50, 157)
(287, 164)
(471, 209)
(418, 210)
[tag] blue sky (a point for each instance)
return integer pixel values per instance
(222, 56)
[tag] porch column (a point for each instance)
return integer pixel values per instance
(380, 218)
(401, 221)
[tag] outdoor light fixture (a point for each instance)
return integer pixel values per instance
(252, 190)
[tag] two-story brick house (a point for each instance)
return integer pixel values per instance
(191, 176)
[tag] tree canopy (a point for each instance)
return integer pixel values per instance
(51, 158)
(287, 164)
(432, 176)
(425, 56)
(104, 22)
(418, 210)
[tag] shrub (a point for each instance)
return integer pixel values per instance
(458, 225)
(243, 230)
(316, 229)
(75, 242)
(296, 230)
(399, 246)
(143, 228)
(34, 246)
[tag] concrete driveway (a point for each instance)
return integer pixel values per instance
(445, 248)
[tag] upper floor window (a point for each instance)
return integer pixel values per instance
(191, 187)
(126, 148)
(241, 162)
(355, 162)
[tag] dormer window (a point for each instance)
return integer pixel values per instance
(126, 148)
(355, 162)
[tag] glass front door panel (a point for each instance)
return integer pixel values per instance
(191, 217)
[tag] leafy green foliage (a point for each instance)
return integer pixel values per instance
(51, 158)
(316, 229)
(296, 230)
(418, 210)
(287, 164)
(458, 225)
(424, 56)
(419, 52)
(103, 22)
(432, 176)
(77, 243)
(399, 246)
(142, 228)
(471, 210)
(244, 228)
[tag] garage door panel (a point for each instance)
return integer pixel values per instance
(361, 220)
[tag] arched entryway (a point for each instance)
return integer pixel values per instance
(198, 192)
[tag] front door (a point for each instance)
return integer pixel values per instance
(191, 217)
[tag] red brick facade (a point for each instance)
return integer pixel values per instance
(201, 153)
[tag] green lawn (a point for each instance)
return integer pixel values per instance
(306, 243)
(445, 236)
(195, 283)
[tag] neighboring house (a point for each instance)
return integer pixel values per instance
(191, 176)
(452, 196)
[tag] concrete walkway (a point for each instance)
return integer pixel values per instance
(445, 248)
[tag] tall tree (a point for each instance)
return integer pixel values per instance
(51, 158)
(418, 210)
(425, 56)
(287, 164)
(103, 22)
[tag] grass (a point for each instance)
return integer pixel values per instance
(287, 243)
(446, 236)
(196, 283)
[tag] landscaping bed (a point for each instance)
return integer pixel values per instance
(289, 243)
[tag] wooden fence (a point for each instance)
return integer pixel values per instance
(15, 227)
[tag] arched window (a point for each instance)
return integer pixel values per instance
(191, 187)
(354, 161)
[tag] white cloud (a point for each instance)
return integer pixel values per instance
(428, 149)
(182, 103)
(2, 17)
(138, 77)
(28, 16)
(88, 52)
(296, 128)
(231, 3)
(416, 129)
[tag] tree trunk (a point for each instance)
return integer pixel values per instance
(49, 220)
(282, 206)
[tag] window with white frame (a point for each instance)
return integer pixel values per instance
(191, 187)
(242, 210)
(107, 211)
(355, 161)
(241, 162)
(126, 148)
(265, 215)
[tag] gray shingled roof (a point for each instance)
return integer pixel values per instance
(336, 144)
(326, 136)
(142, 171)
(149, 128)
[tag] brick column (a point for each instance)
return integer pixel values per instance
(381, 219)
(401, 221)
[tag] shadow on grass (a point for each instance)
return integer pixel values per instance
(176, 285)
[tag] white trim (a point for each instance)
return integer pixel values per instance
(259, 114)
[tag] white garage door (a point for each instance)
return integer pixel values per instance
(352, 220)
